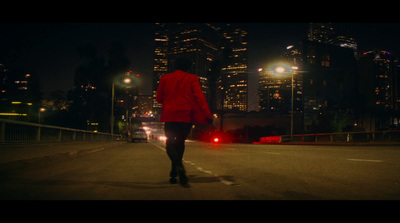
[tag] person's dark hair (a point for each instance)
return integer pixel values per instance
(183, 63)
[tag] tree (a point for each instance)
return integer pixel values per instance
(340, 121)
(117, 62)
(89, 92)
(91, 95)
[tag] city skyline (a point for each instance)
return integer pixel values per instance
(50, 48)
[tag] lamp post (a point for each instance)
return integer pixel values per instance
(125, 80)
(291, 120)
(40, 110)
(283, 70)
(112, 110)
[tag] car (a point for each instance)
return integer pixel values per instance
(162, 138)
(137, 135)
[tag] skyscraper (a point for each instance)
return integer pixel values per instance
(320, 32)
(206, 45)
(232, 84)
(330, 84)
(379, 90)
(160, 58)
(378, 83)
(19, 94)
(198, 41)
(324, 33)
(275, 90)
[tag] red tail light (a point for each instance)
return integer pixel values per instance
(215, 140)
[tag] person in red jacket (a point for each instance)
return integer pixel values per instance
(183, 104)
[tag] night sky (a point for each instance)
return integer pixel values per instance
(50, 49)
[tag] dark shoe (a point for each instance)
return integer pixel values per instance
(173, 180)
(183, 180)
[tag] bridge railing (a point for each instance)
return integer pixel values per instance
(346, 137)
(378, 136)
(19, 131)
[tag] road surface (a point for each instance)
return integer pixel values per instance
(139, 171)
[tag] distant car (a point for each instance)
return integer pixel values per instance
(138, 135)
(162, 138)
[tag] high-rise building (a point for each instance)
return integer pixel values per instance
(206, 44)
(232, 84)
(3, 83)
(330, 83)
(160, 58)
(324, 33)
(320, 32)
(381, 76)
(346, 42)
(379, 90)
(198, 41)
(19, 94)
(144, 103)
(275, 89)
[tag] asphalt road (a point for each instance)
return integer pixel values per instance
(139, 171)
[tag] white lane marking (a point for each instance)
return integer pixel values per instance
(189, 162)
(159, 147)
(222, 180)
(227, 182)
(272, 153)
(363, 160)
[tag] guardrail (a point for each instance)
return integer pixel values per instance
(380, 136)
(19, 131)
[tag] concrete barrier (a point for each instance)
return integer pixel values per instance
(269, 140)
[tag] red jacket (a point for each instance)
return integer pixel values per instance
(182, 98)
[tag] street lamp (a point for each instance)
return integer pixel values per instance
(283, 69)
(124, 81)
(127, 80)
(280, 70)
(40, 110)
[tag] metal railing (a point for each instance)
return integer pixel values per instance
(346, 137)
(19, 131)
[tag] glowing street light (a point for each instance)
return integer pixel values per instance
(280, 70)
(284, 69)
(40, 110)
(125, 81)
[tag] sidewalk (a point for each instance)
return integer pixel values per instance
(35, 151)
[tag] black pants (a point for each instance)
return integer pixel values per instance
(176, 133)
